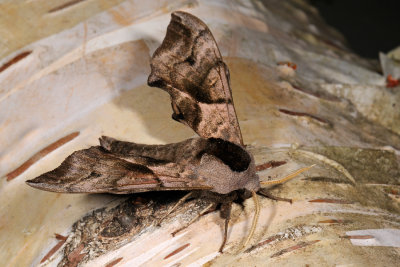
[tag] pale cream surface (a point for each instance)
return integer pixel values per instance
(90, 76)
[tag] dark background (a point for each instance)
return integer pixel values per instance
(369, 26)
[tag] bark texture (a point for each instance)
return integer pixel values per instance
(301, 96)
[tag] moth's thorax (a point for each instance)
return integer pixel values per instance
(228, 169)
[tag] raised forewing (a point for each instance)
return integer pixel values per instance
(188, 65)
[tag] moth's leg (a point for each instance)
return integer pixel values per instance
(225, 214)
(264, 192)
(180, 202)
(209, 208)
(255, 219)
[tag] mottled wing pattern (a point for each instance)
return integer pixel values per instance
(189, 66)
(120, 168)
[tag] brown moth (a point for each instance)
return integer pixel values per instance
(216, 165)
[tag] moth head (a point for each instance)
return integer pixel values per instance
(227, 167)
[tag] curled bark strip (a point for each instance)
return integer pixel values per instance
(15, 60)
(269, 164)
(176, 251)
(114, 262)
(303, 114)
(330, 200)
(40, 155)
(63, 6)
(326, 160)
(295, 247)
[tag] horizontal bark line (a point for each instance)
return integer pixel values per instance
(61, 242)
(14, 60)
(176, 251)
(63, 6)
(39, 155)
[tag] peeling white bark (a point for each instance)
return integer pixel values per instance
(91, 78)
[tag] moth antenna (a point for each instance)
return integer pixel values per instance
(207, 209)
(287, 178)
(255, 219)
(180, 202)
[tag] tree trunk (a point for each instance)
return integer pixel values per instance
(301, 96)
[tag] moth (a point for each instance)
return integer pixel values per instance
(216, 165)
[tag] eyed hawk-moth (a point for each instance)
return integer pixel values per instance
(189, 66)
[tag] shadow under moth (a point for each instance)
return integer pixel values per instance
(215, 165)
